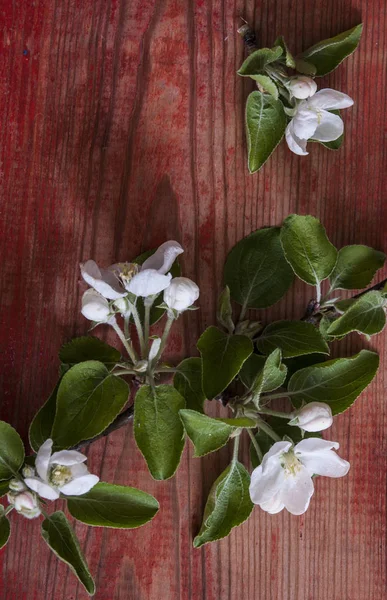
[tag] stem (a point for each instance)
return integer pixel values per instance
(274, 413)
(126, 326)
(284, 394)
(125, 372)
(127, 345)
(8, 510)
(148, 302)
(267, 429)
(256, 445)
(123, 419)
(164, 338)
(137, 322)
(236, 449)
(166, 370)
(318, 293)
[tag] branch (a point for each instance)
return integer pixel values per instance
(123, 419)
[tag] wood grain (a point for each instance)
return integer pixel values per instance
(122, 125)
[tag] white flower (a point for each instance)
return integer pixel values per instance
(314, 416)
(284, 478)
(302, 87)
(95, 307)
(153, 277)
(25, 503)
(154, 349)
(62, 472)
(104, 281)
(313, 121)
(181, 294)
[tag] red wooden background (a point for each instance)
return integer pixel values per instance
(122, 125)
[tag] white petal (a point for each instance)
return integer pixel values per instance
(330, 99)
(295, 144)
(181, 293)
(155, 347)
(148, 283)
(102, 280)
(80, 485)
(275, 452)
(95, 307)
(305, 123)
(264, 485)
(164, 257)
(67, 458)
(297, 492)
(43, 459)
(330, 127)
(79, 470)
(319, 457)
(274, 505)
(41, 488)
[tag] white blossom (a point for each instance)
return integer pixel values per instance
(61, 472)
(284, 478)
(103, 281)
(313, 121)
(181, 294)
(302, 87)
(315, 416)
(154, 349)
(95, 307)
(25, 502)
(153, 277)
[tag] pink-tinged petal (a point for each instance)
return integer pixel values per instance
(274, 505)
(297, 492)
(102, 280)
(164, 257)
(330, 127)
(305, 123)
(148, 283)
(41, 488)
(43, 459)
(319, 458)
(294, 143)
(330, 100)
(79, 486)
(67, 458)
(266, 484)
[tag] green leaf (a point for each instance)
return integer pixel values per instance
(265, 127)
(224, 312)
(41, 425)
(267, 84)
(251, 368)
(256, 62)
(11, 451)
(256, 270)
(271, 377)
(294, 338)
(188, 382)
(228, 504)
(337, 382)
(289, 60)
(355, 268)
(223, 356)
(208, 434)
(108, 505)
(89, 398)
(301, 362)
(88, 348)
(5, 530)
(4, 487)
(328, 54)
(60, 537)
(366, 315)
(304, 67)
(307, 248)
(158, 429)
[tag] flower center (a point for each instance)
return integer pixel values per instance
(128, 271)
(60, 475)
(290, 463)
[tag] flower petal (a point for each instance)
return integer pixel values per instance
(264, 485)
(102, 280)
(294, 143)
(148, 283)
(80, 485)
(275, 452)
(164, 257)
(330, 127)
(43, 459)
(305, 122)
(41, 488)
(79, 470)
(330, 99)
(319, 458)
(297, 492)
(67, 458)
(274, 505)
(95, 307)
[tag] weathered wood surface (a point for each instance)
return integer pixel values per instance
(121, 126)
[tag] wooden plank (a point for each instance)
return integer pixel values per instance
(121, 126)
